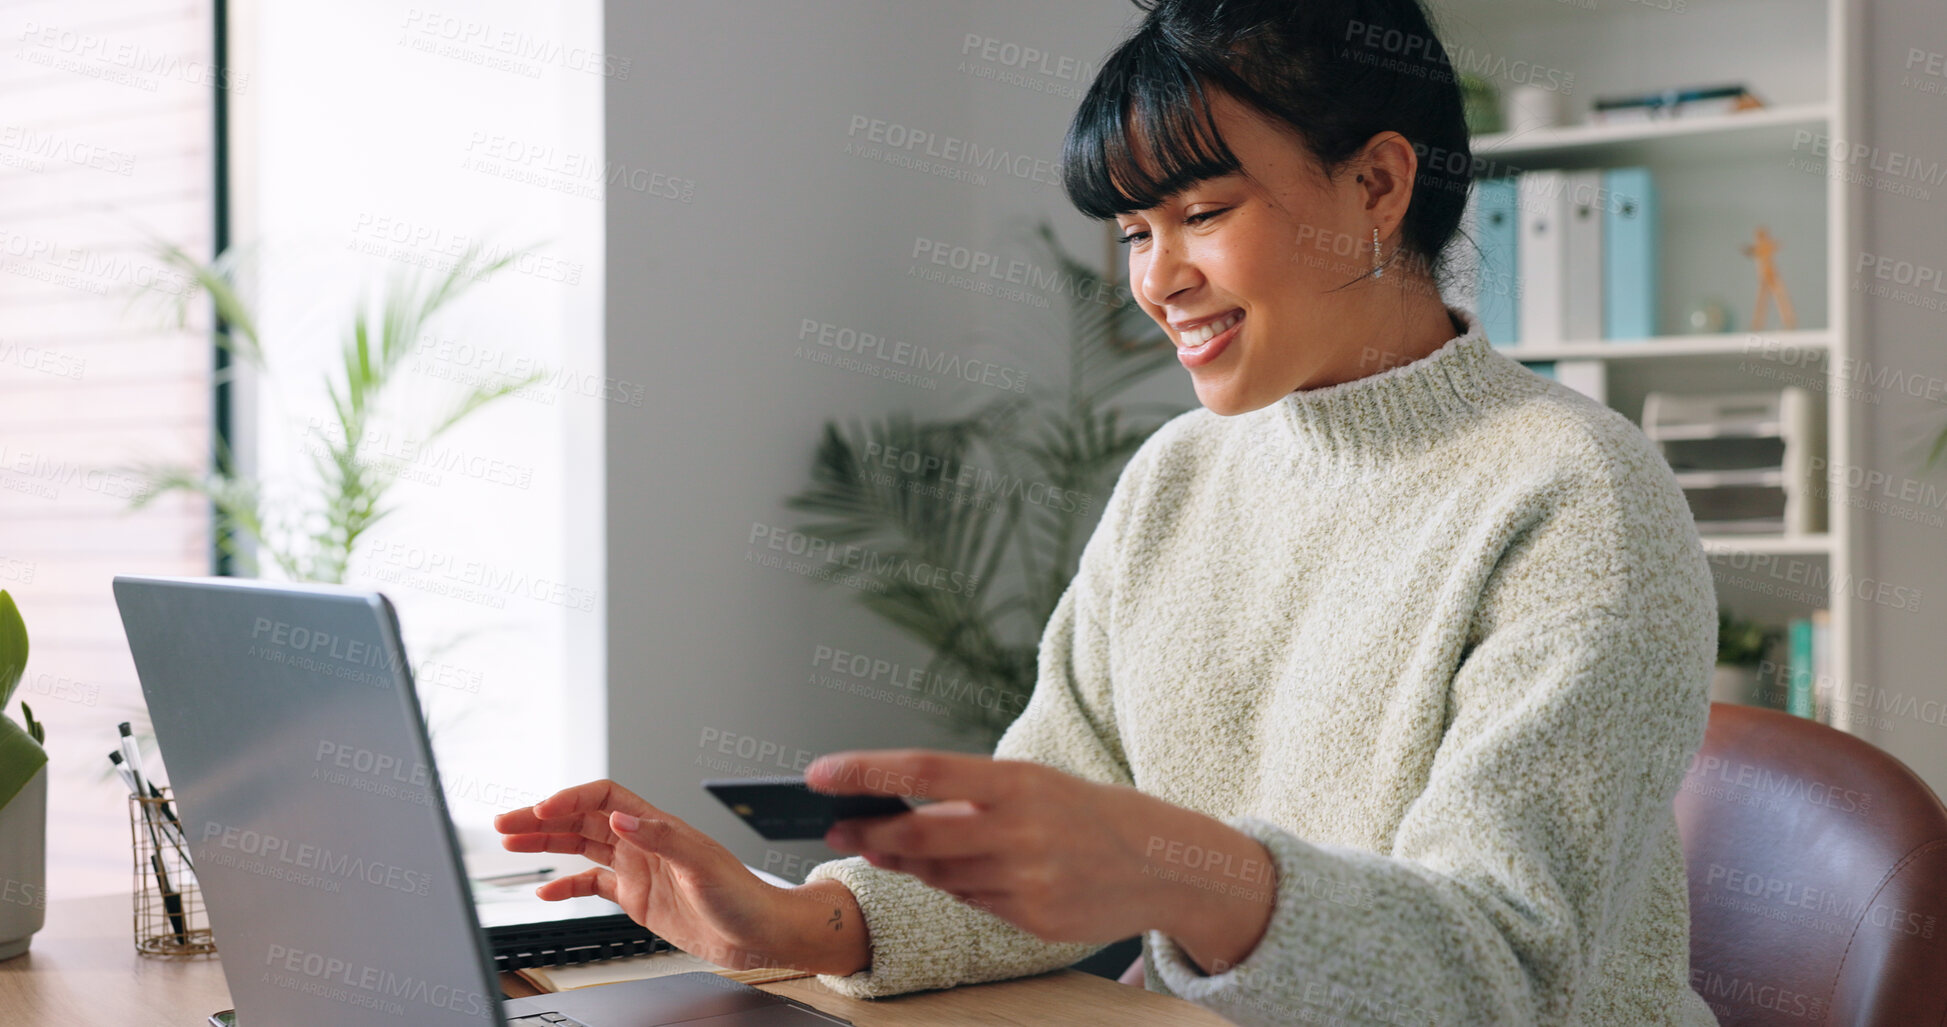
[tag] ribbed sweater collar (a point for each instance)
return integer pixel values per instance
(1358, 425)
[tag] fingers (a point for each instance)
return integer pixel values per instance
(669, 838)
(551, 813)
(596, 796)
(597, 881)
(921, 773)
(585, 834)
(582, 810)
(571, 844)
(937, 830)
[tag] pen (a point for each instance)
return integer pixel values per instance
(177, 836)
(128, 744)
(131, 754)
(172, 901)
(543, 872)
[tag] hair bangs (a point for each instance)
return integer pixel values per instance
(1147, 91)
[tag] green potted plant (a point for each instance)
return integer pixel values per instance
(1050, 455)
(311, 530)
(1741, 648)
(23, 798)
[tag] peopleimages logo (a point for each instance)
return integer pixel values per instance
(359, 984)
(895, 567)
(282, 854)
(905, 354)
(1786, 786)
(299, 638)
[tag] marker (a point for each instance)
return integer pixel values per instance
(172, 900)
(177, 836)
(132, 755)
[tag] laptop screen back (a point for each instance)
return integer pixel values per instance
(301, 771)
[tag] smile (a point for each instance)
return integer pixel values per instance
(1206, 342)
(1194, 337)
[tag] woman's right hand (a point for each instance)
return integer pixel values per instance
(684, 886)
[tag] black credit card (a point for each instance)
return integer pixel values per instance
(784, 809)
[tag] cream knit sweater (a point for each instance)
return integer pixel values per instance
(1440, 638)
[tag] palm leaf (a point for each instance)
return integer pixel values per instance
(216, 280)
(1077, 443)
(21, 755)
(13, 648)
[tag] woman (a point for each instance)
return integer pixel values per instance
(1377, 678)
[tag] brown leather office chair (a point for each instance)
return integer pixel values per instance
(1818, 877)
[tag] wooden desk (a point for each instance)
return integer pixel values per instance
(83, 969)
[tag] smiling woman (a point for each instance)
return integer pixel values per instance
(1378, 676)
(1249, 154)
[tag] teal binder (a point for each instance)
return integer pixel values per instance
(1499, 286)
(1629, 254)
(1798, 691)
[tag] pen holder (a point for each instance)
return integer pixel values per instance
(169, 916)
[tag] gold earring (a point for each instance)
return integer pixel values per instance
(1378, 270)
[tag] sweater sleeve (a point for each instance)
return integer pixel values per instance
(923, 938)
(1578, 696)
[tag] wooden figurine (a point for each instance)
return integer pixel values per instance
(1769, 284)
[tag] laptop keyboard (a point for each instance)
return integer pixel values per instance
(545, 1020)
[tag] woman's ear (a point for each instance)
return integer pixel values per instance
(1389, 166)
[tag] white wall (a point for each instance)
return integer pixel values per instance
(1905, 667)
(706, 300)
(383, 137)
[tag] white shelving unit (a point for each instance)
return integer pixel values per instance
(1719, 177)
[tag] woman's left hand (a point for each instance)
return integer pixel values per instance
(1062, 858)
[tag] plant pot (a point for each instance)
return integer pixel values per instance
(1740, 685)
(23, 866)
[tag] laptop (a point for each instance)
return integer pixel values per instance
(321, 839)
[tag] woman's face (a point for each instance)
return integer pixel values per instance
(1265, 251)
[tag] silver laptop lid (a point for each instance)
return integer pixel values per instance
(303, 777)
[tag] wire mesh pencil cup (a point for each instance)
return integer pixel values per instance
(169, 915)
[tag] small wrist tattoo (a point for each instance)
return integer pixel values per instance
(836, 921)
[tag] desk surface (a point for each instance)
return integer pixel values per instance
(83, 969)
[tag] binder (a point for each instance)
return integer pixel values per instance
(1498, 283)
(579, 940)
(523, 930)
(1830, 692)
(1582, 254)
(1540, 253)
(1629, 254)
(1798, 692)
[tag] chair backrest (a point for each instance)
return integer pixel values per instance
(1818, 876)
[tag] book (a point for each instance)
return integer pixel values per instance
(1498, 284)
(523, 930)
(1629, 237)
(1798, 687)
(1681, 102)
(1582, 224)
(551, 979)
(1543, 207)
(1828, 690)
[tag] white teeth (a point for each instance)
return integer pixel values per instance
(1200, 335)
